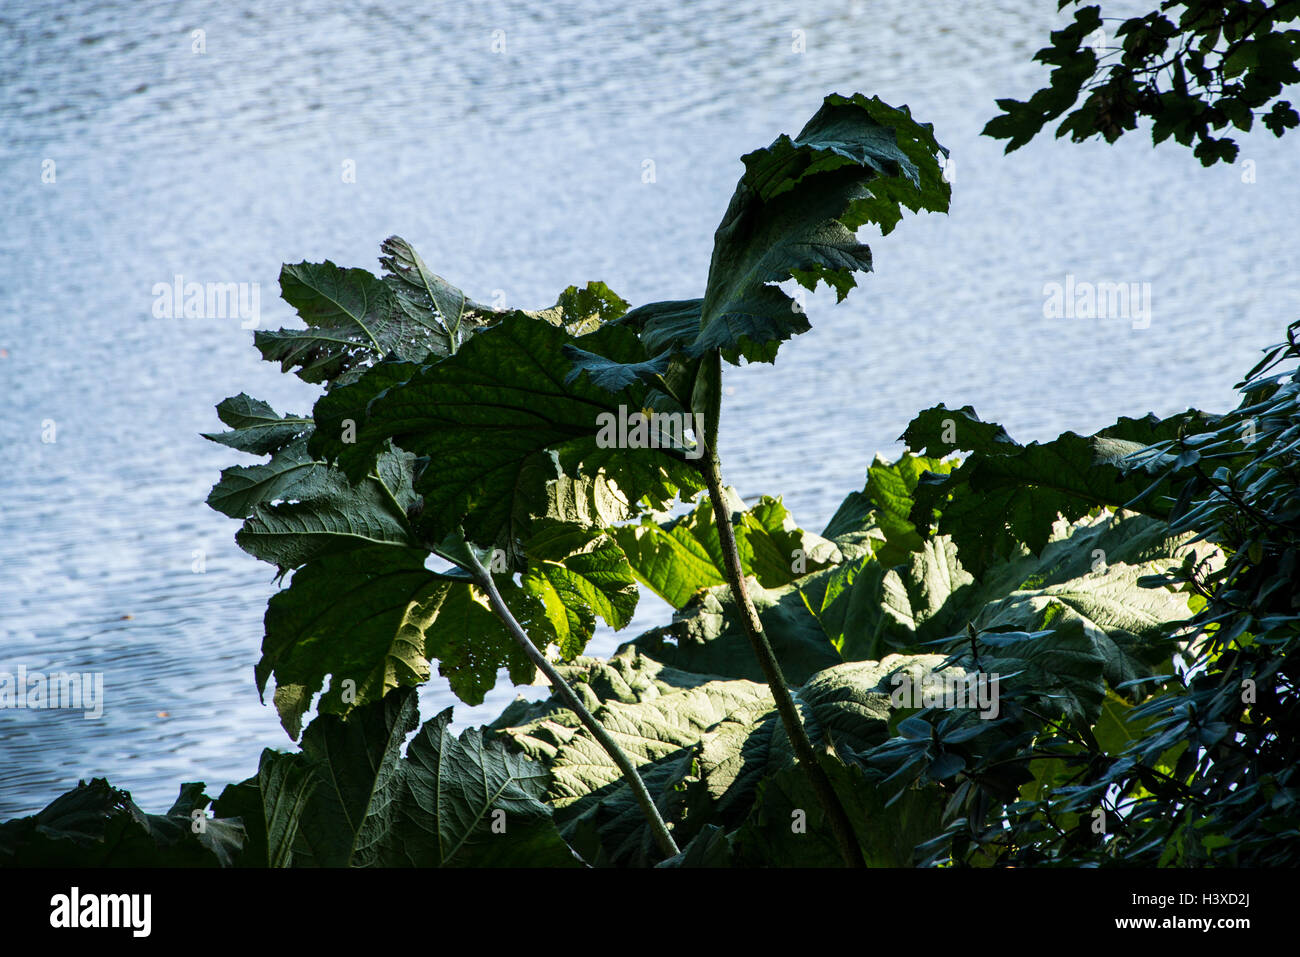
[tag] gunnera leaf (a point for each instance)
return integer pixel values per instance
(98, 825)
(493, 421)
(448, 802)
(373, 618)
(354, 319)
(678, 557)
(1006, 496)
(795, 214)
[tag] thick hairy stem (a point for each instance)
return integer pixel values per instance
(803, 749)
(664, 839)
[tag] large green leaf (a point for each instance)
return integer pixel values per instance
(678, 557)
(350, 319)
(940, 431)
(439, 315)
(328, 513)
(490, 419)
(290, 471)
(788, 826)
(1090, 569)
(794, 216)
(254, 426)
(795, 213)
(703, 745)
(706, 635)
(435, 807)
(375, 617)
(356, 763)
(1005, 495)
(853, 527)
(354, 319)
(361, 616)
(891, 491)
(574, 576)
(1129, 626)
(270, 806)
(468, 802)
(868, 610)
(98, 825)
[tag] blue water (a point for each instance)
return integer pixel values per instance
(518, 171)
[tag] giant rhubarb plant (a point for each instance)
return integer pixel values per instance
(477, 488)
(455, 429)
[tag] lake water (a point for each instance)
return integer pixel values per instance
(521, 170)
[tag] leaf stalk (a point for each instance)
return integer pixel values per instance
(663, 838)
(841, 826)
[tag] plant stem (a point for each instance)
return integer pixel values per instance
(842, 827)
(667, 846)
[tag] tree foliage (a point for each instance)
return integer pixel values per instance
(1195, 68)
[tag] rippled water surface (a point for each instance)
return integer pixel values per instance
(518, 171)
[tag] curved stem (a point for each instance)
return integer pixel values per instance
(841, 826)
(664, 840)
